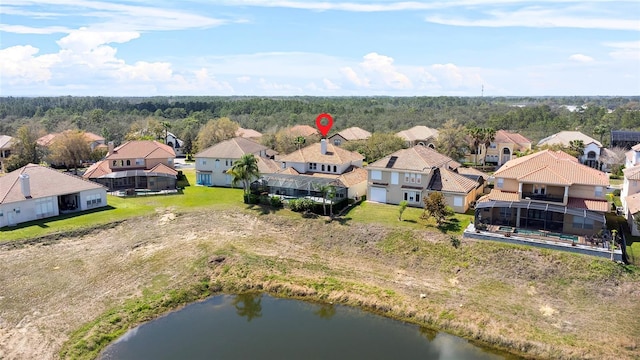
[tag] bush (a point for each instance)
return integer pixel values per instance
(251, 199)
(300, 205)
(616, 192)
(614, 177)
(275, 202)
(455, 241)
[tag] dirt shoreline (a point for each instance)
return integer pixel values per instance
(543, 304)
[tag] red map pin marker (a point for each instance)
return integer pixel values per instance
(324, 127)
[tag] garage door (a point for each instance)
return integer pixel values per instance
(378, 195)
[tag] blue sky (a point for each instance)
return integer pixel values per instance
(324, 47)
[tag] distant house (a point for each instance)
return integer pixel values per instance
(503, 148)
(35, 192)
(248, 134)
(624, 138)
(592, 148)
(630, 195)
(349, 134)
(302, 130)
(549, 191)
(213, 162)
(137, 164)
(175, 143)
(6, 146)
(411, 174)
(94, 141)
(419, 135)
(305, 171)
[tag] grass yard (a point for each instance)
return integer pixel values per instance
(191, 198)
(385, 214)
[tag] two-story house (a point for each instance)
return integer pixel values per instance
(547, 190)
(93, 140)
(6, 145)
(590, 153)
(419, 135)
(503, 148)
(305, 171)
(138, 164)
(349, 134)
(411, 174)
(630, 194)
(213, 162)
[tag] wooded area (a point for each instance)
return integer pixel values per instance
(112, 118)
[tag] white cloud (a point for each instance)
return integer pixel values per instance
(628, 50)
(353, 77)
(21, 29)
(243, 79)
(20, 65)
(377, 71)
(329, 85)
(83, 39)
(581, 58)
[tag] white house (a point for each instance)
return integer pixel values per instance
(592, 147)
(35, 192)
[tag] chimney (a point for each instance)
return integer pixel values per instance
(323, 146)
(110, 148)
(24, 186)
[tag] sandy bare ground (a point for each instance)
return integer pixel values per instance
(500, 295)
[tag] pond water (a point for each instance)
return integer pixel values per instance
(252, 326)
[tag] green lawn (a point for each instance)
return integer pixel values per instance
(191, 198)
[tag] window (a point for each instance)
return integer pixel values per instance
(203, 162)
(128, 162)
(457, 201)
(394, 178)
(412, 196)
(493, 145)
(322, 167)
(313, 166)
(217, 163)
(335, 168)
(337, 142)
(413, 178)
(93, 200)
(140, 162)
(539, 189)
(418, 178)
(499, 183)
(227, 162)
(44, 207)
(406, 177)
(115, 163)
(598, 191)
(376, 175)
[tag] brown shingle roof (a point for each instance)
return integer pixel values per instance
(354, 133)
(446, 180)
(49, 139)
(417, 158)
(248, 133)
(565, 137)
(419, 132)
(289, 171)
(267, 166)
(162, 169)
(97, 170)
(354, 176)
(551, 167)
(142, 149)
(471, 171)
(633, 203)
(43, 182)
(312, 154)
(232, 149)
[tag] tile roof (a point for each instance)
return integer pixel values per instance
(446, 180)
(289, 171)
(312, 154)
(302, 130)
(142, 149)
(6, 141)
(588, 204)
(499, 195)
(48, 139)
(248, 133)
(268, 166)
(97, 170)
(551, 167)
(564, 137)
(232, 149)
(505, 137)
(469, 171)
(162, 169)
(92, 137)
(353, 133)
(43, 182)
(354, 176)
(632, 173)
(417, 158)
(633, 203)
(419, 132)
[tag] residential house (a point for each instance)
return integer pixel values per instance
(305, 171)
(503, 148)
(630, 195)
(592, 148)
(249, 134)
(413, 173)
(349, 134)
(549, 191)
(419, 135)
(136, 164)
(94, 141)
(213, 162)
(631, 209)
(176, 144)
(632, 157)
(35, 192)
(303, 130)
(6, 145)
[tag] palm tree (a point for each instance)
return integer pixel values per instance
(488, 135)
(476, 135)
(324, 190)
(244, 170)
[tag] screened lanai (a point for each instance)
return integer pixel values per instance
(297, 186)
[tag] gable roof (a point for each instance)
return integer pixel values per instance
(248, 133)
(97, 170)
(161, 168)
(565, 137)
(142, 149)
(633, 203)
(419, 132)
(551, 167)
(503, 136)
(267, 166)
(312, 154)
(632, 173)
(417, 158)
(302, 130)
(472, 173)
(446, 180)
(6, 141)
(232, 149)
(43, 182)
(49, 139)
(353, 133)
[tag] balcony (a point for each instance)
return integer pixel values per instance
(542, 197)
